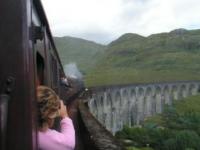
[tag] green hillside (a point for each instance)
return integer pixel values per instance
(159, 57)
(82, 52)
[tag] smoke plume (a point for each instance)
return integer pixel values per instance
(72, 71)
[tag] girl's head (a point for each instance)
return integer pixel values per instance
(48, 105)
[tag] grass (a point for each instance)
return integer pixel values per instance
(145, 67)
(112, 76)
(189, 104)
(135, 148)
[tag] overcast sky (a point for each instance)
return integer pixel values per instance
(105, 20)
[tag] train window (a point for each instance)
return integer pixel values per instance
(55, 75)
(35, 17)
(49, 45)
(40, 69)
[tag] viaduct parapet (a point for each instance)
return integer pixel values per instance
(115, 106)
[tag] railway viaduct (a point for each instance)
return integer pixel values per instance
(115, 106)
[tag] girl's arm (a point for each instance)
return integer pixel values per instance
(67, 127)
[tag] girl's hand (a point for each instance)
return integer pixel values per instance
(63, 110)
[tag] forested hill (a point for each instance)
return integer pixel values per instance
(82, 52)
(159, 57)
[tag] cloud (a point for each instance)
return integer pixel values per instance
(105, 20)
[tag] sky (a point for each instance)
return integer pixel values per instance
(103, 21)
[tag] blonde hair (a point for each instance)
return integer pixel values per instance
(48, 105)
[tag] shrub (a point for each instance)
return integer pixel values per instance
(153, 137)
(183, 140)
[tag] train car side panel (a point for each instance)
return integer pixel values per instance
(17, 75)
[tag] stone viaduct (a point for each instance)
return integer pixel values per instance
(115, 106)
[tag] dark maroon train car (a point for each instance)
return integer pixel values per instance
(28, 58)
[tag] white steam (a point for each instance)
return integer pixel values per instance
(72, 71)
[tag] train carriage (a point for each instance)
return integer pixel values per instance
(28, 58)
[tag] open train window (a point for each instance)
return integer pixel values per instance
(40, 69)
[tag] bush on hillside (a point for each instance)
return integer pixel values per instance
(183, 140)
(161, 139)
(179, 131)
(189, 120)
(153, 137)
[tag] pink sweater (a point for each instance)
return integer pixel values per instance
(54, 140)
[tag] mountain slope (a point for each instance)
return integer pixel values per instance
(160, 57)
(82, 52)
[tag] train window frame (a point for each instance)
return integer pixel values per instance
(40, 53)
(40, 69)
(55, 73)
